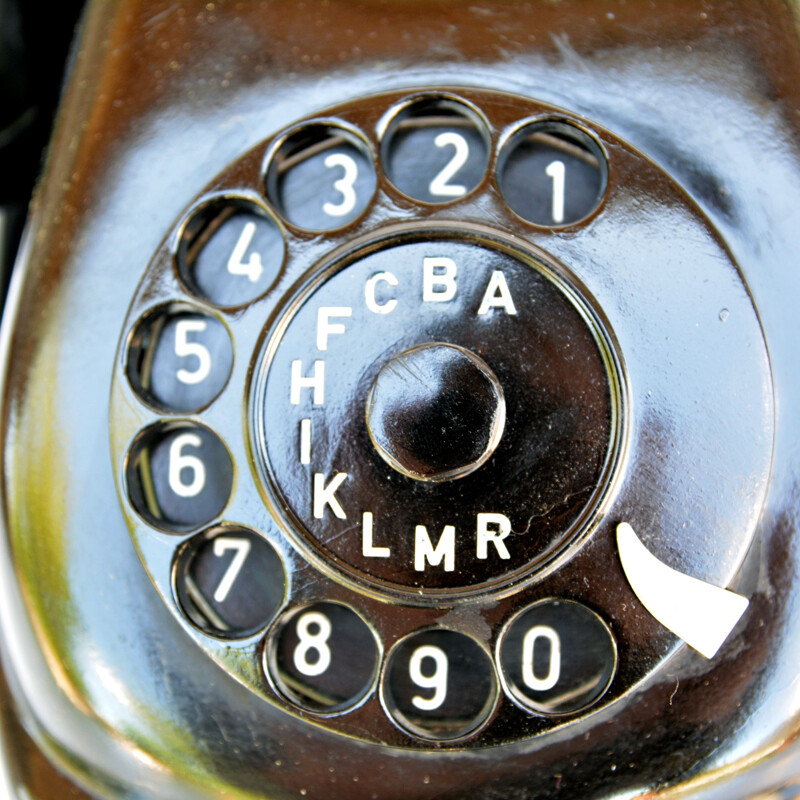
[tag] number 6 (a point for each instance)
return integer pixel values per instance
(179, 462)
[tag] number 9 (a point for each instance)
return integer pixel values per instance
(436, 681)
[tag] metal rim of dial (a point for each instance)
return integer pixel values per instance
(591, 315)
(656, 326)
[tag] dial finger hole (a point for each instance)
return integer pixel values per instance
(439, 684)
(321, 177)
(323, 657)
(179, 475)
(179, 358)
(229, 581)
(557, 657)
(552, 173)
(435, 149)
(230, 251)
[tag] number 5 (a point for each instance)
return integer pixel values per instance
(184, 348)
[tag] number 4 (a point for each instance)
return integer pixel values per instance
(252, 268)
(221, 546)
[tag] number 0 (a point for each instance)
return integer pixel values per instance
(554, 664)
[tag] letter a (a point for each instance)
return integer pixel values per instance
(497, 295)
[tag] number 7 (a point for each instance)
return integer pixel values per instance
(221, 546)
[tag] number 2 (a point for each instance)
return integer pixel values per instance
(439, 186)
(242, 549)
(344, 185)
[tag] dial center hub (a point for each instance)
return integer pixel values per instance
(435, 412)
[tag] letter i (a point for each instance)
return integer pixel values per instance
(305, 441)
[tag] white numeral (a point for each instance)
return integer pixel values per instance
(556, 171)
(439, 186)
(554, 664)
(437, 680)
(242, 549)
(344, 185)
(179, 462)
(184, 349)
(318, 642)
(236, 263)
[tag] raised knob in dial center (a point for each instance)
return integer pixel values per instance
(435, 412)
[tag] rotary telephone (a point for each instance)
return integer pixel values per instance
(400, 401)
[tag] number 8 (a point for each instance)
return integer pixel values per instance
(313, 641)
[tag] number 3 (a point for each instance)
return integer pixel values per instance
(344, 185)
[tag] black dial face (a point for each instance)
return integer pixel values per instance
(431, 412)
(411, 445)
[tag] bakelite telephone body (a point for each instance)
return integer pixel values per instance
(401, 400)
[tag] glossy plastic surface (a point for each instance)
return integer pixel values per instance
(159, 102)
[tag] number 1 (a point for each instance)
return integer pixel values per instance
(221, 546)
(556, 171)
